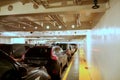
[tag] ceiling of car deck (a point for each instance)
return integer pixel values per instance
(82, 19)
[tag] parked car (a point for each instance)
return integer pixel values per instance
(11, 70)
(53, 57)
(66, 48)
(15, 50)
(73, 48)
(8, 70)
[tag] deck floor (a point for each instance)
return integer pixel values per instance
(77, 69)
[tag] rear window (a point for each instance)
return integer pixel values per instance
(56, 50)
(18, 50)
(63, 46)
(39, 52)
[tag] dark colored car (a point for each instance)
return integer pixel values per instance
(11, 70)
(15, 50)
(52, 57)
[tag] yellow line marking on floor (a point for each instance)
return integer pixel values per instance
(68, 69)
(79, 71)
(83, 73)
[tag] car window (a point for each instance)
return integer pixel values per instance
(38, 52)
(18, 50)
(63, 46)
(57, 50)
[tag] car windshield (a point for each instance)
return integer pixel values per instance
(63, 46)
(39, 52)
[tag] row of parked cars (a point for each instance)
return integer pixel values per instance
(39, 62)
(69, 49)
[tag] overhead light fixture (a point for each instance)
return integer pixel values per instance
(24, 27)
(96, 6)
(60, 27)
(47, 27)
(73, 26)
(36, 27)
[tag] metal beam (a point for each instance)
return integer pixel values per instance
(19, 8)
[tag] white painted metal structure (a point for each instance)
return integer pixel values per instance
(31, 18)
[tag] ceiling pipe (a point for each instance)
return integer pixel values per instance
(63, 3)
(58, 20)
(96, 6)
(54, 23)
